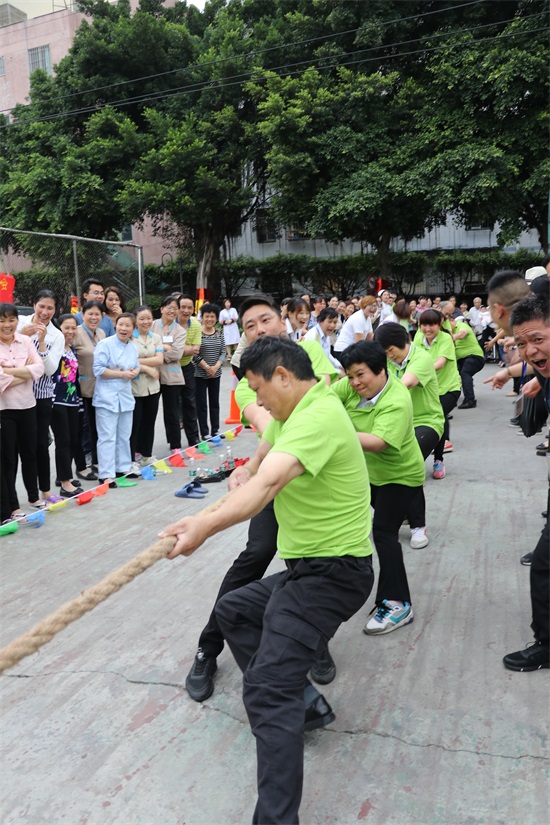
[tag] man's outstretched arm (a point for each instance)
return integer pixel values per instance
(276, 471)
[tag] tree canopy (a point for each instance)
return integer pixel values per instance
(354, 120)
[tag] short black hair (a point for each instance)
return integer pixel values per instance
(541, 285)
(370, 353)
(257, 299)
(533, 308)
(66, 317)
(90, 304)
(45, 293)
(327, 312)
(391, 334)
(187, 298)
(210, 308)
(296, 304)
(170, 299)
(88, 282)
(8, 310)
(269, 352)
(431, 316)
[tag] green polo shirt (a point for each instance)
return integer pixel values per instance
(319, 361)
(326, 510)
(389, 418)
(448, 378)
(192, 338)
(427, 411)
(468, 345)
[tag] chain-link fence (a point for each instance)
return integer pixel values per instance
(62, 263)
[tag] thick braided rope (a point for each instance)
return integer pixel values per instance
(45, 630)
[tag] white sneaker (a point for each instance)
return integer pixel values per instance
(146, 460)
(419, 538)
(388, 617)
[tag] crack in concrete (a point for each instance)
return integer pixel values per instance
(372, 732)
(358, 732)
(112, 672)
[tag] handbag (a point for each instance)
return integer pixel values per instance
(532, 412)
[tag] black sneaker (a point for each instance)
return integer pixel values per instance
(534, 657)
(468, 404)
(514, 422)
(527, 559)
(199, 683)
(323, 670)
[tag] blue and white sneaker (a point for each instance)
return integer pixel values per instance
(389, 617)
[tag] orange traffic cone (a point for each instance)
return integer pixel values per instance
(234, 416)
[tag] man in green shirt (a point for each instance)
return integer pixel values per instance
(260, 316)
(276, 626)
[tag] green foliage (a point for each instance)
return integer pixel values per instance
(350, 118)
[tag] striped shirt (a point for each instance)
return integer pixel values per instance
(212, 350)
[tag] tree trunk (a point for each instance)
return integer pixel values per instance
(383, 256)
(207, 245)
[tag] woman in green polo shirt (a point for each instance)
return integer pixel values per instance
(380, 409)
(469, 359)
(414, 368)
(439, 343)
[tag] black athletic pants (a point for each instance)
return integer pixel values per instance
(448, 403)
(67, 430)
(276, 628)
(427, 439)
(17, 436)
(540, 585)
(391, 504)
(189, 405)
(143, 425)
(250, 565)
(468, 367)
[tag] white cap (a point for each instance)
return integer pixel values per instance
(534, 272)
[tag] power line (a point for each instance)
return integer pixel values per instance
(239, 79)
(221, 61)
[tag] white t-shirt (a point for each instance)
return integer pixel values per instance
(385, 310)
(356, 324)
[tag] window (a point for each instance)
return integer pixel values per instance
(266, 226)
(126, 232)
(2, 67)
(39, 58)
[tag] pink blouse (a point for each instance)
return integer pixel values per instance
(16, 354)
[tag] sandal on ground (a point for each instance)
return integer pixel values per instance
(198, 486)
(189, 491)
(39, 505)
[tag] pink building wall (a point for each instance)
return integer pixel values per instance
(56, 30)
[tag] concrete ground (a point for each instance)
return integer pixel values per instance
(430, 729)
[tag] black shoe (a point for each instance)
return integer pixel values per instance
(128, 475)
(527, 559)
(544, 514)
(323, 670)
(514, 422)
(534, 657)
(74, 482)
(112, 485)
(468, 404)
(67, 494)
(319, 714)
(199, 683)
(90, 477)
